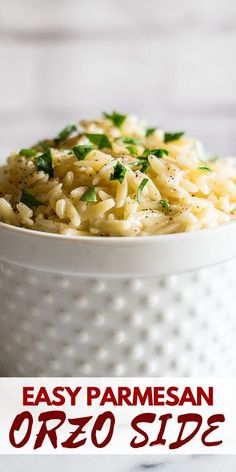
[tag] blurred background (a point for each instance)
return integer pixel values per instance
(172, 62)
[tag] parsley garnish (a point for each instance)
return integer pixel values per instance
(116, 118)
(67, 151)
(150, 131)
(28, 199)
(145, 164)
(133, 150)
(165, 206)
(206, 168)
(119, 172)
(173, 136)
(45, 145)
(44, 163)
(128, 140)
(89, 195)
(28, 152)
(65, 133)
(140, 189)
(159, 153)
(100, 140)
(143, 161)
(82, 151)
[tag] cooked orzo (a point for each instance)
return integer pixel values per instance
(114, 176)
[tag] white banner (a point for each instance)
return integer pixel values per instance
(117, 416)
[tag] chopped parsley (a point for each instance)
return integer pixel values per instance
(116, 118)
(119, 172)
(67, 151)
(159, 153)
(133, 150)
(100, 140)
(173, 136)
(65, 133)
(145, 164)
(82, 151)
(150, 131)
(143, 160)
(28, 199)
(205, 168)
(28, 152)
(140, 189)
(44, 163)
(128, 140)
(165, 206)
(89, 195)
(45, 145)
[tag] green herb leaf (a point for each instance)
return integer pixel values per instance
(165, 206)
(128, 140)
(82, 151)
(173, 136)
(116, 118)
(119, 172)
(65, 133)
(144, 163)
(159, 153)
(44, 163)
(205, 168)
(45, 145)
(67, 151)
(140, 189)
(100, 140)
(150, 131)
(28, 152)
(28, 199)
(132, 150)
(89, 195)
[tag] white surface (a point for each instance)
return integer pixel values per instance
(172, 62)
(118, 464)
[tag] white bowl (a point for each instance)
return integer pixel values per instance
(159, 305)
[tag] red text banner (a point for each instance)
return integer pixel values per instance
(117, 416)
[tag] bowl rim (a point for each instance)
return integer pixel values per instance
(117, 256)
(113, 239)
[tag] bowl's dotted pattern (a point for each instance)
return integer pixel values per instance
(52, 325)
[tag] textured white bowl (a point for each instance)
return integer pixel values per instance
(162, 305)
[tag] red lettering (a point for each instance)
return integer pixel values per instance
(108, 396)
(173, 396)
(27, 396)
(184, 419)
(99, 424)
(159, 440)
(70, 443)
(142, 418)
(213, 419)
(16, 425)
(73, 394)
(60, 398)
(201, 394)
(92, 393)
(42, 397)
(44, 431)
(187, 397)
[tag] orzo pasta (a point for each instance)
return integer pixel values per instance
(113, 176)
